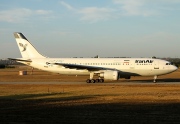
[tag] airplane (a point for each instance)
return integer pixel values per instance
(103, 68)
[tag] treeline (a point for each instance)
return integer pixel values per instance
(176, 64)
(8, 63)
(2, 66)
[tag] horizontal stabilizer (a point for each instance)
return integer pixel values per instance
(20, 60)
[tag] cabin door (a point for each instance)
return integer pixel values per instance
(156, 64)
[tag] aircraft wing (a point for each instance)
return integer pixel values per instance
(79, 67)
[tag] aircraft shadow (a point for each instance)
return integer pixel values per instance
(159, 80)
(61, 110)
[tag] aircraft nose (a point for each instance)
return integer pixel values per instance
(174, 68)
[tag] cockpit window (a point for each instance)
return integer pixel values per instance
(169, 63)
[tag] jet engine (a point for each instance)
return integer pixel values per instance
(109, 75)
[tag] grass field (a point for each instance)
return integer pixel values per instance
(87, 103)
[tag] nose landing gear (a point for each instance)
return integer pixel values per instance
(155, 77)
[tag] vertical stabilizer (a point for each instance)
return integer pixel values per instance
(27, 50)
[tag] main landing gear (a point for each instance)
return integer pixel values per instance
(91, 80)
(95, 80)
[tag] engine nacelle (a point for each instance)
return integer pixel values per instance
(109, 75)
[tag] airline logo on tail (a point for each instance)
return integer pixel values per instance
(23, 46)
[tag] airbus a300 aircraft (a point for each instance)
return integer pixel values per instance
(104, 68)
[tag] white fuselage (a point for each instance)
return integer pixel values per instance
(125, 66)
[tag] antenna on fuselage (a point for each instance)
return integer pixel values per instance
(96, 56)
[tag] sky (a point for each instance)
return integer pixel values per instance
(86, 28)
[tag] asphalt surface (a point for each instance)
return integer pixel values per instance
(84, 83)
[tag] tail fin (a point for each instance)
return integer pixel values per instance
(27, 50)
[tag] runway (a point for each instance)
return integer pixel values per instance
(105, 83)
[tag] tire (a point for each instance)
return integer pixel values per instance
(93, 81)
(97, 80)
(88, 81)
(101, 80)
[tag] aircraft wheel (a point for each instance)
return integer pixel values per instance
(88, 81)
(93, 81)
(97, 80)
(101, 80)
